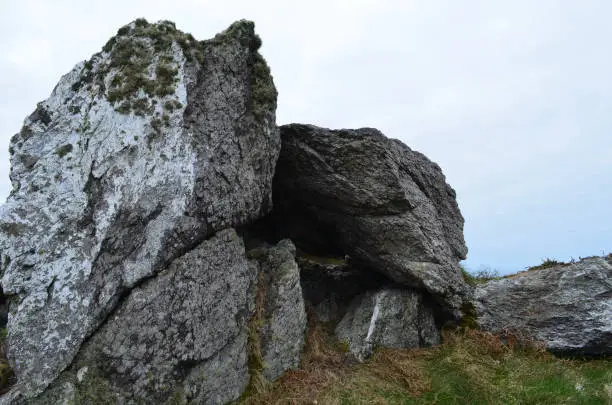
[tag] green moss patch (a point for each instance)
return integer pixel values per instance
(64, 150)
(93, 389)
(263, 93)
(141, 58)
(257, 381)
(12, 228)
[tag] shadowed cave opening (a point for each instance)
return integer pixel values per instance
(330, 279)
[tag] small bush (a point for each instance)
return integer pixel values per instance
(481, 276)
(141, 23)
(547, 263)
(123, 30)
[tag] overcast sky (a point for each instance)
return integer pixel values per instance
(513, 99)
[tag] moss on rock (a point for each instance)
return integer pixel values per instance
(141, 59)
(263, 91)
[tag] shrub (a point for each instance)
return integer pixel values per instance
(547, 263)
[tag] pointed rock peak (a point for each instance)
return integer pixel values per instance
(244, 32)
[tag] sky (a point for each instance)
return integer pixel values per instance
(512, 98)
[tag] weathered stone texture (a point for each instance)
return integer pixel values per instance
(567, 307)
(282, 328)
(394, 318)
(106, 196)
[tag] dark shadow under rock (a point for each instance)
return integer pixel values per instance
(330, 284)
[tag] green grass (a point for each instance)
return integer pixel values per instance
(470, 367)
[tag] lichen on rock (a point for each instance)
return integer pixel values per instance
(165, 151)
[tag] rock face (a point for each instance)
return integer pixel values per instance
(170, 332)
(395, 318)
(282, 320)
(140, 259)
(138, 156)
(387, 207)
(567, 307)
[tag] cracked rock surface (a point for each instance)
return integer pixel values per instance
(163, 340)
(139, 155)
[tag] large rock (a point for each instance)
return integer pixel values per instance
(389, 317)
(567, 307)
(388, 207)
(281, 326)
(138, 156)
(181, 334)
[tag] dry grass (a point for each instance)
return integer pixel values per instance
(257, 382)
(322, 366)
(470, 367)
(326, 372)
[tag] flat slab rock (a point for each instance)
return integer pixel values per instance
(393, 318)
(390, 207)
(568, 308)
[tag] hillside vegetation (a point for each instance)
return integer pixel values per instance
(470, 367)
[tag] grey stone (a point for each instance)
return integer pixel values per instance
(283, 325)
(181, 335)
(107, 194)
(567, 307)
(389, 317)
(389, 208)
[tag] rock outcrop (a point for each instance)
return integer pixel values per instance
(156, 144)
(387, 207)
(140, 255)
(281, 320)
(394, 318)
(567, 307)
